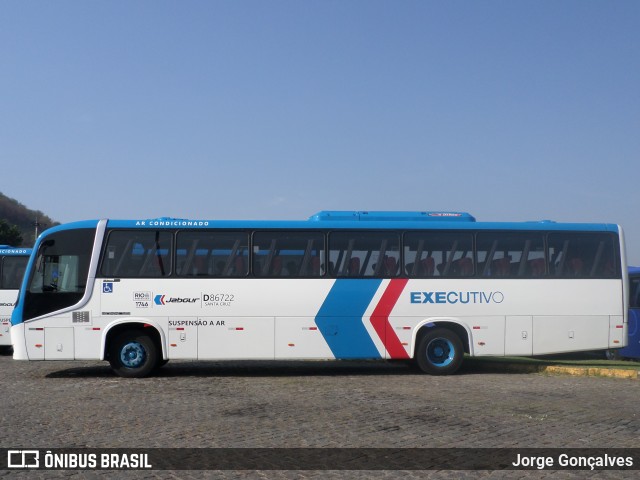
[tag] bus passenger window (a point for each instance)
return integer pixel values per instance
(364, 254)
(582, 255)
(137, 254)
(438, 254)
(282, 254)
(206, 253)
(12, 272)
(634, 290)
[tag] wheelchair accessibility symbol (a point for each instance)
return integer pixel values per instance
(107, 287)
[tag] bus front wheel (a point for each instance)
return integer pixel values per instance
(133, 355)
(440, 352)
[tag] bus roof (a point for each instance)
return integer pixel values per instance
(327, 215)
(357, 220)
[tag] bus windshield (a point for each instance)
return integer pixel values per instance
(59, 278)
(12, 271)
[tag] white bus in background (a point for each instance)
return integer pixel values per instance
(13, 262)
(427, 286)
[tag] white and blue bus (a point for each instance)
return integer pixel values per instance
(632, 350)
(13, 262)
(428, 286)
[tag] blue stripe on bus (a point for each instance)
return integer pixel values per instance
(340, 318)
(352, 225)
(15, 252)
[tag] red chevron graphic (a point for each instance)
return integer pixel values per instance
(380, 318)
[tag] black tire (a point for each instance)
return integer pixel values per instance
(133, 354)
(612, 354)
(6, 350)
(440, 352)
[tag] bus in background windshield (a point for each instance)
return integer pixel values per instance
(13, 262)
(632, 350)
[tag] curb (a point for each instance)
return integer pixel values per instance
(562, 370)
(591, 372)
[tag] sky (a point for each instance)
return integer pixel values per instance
(511, 111)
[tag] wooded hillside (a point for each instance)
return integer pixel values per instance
(17, 223)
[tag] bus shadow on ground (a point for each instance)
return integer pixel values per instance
(252, 369)
(310, 368)
(94, 371)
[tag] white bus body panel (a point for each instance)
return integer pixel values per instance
(248, 338)
(279, 318)
(19, 343)
(58, 343)
(299, 338)
(7, 302)
(518, 336)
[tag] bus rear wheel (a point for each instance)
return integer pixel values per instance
(133, 355)
(440, 352)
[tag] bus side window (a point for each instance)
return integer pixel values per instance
(12, 272)
(136, 254)
(509, 254)
(212, 253)
(438, 254)
(582, 255)
(278, 254)
(364, 254)
(634, 288)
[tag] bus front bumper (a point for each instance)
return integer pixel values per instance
(18, 342)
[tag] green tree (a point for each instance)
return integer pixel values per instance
(10, 234)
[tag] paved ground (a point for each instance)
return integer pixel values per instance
(311, 404)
